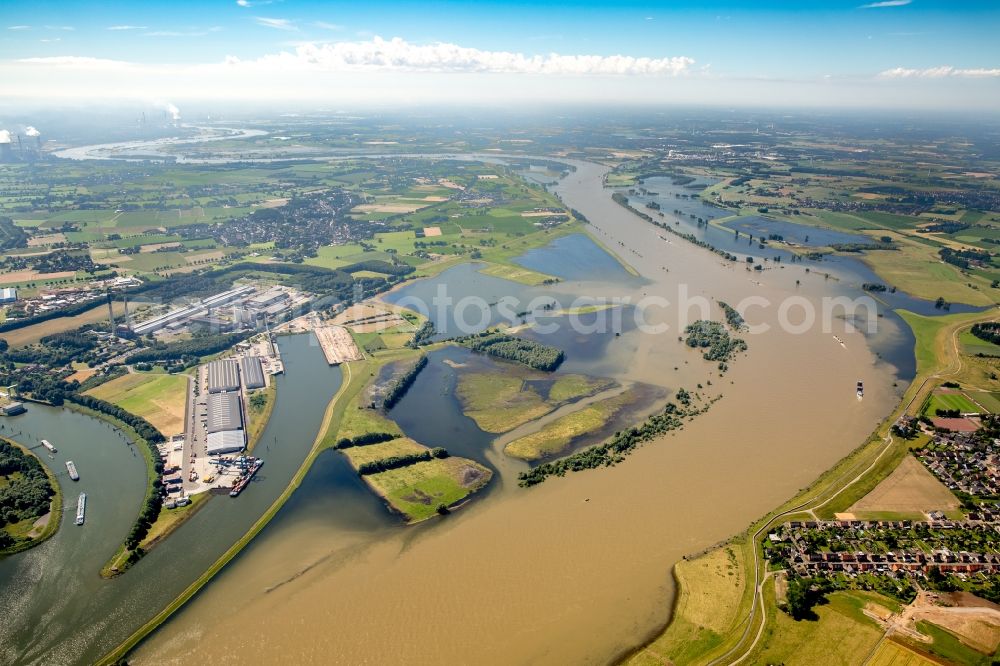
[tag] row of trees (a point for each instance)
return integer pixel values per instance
(615, 449)
(364, 440)
(395, 462)
(733, 317)
(988, 331)
(399, 387)
(423, 335)
(202, 345)
(149, 437)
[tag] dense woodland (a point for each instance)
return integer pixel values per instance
(714, 340)
(512, 348)
(25, 489)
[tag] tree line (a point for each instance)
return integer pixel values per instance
(399, 387)
(395, 462)
(149, 436)
(364, 440)
(613, 451)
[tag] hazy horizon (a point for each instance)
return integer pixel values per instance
(900, 54)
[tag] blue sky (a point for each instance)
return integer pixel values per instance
(945, 45)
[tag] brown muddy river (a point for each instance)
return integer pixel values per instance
(576, 570)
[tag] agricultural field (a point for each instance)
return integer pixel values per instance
(158, 398)
(842, 634)
(910, 491)
(891, 653)
(950, 400)
(31, 334)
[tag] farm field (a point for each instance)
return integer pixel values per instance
(950, 401)
(31, 334)
(158, 398)
(891, 653)
(909, 490)
(843, 634)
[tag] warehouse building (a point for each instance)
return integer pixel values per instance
(8, 295)
(251, 372)
(223, 375)
(225, 441)
(224, 412)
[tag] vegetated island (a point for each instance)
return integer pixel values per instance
(623, 443)
(718, 345)
(715, 341)
(415, 481)
(30, 501)
(512, 348)
(508, 396)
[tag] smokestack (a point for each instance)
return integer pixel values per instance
(128, 319)
(111, 313)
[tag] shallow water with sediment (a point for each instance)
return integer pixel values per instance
(576, 570)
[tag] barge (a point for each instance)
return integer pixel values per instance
(249, 467)
(71, 468)
(81, 508)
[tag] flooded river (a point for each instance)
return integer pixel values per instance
(575, 570)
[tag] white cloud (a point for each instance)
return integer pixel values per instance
(328, 26)
(78, 62)
(59, 27)
(941, 72)
(19, 27)
(194, 32)
(399, 55)
(127, 27)
(255, 3)
(886, 3)
(276, 23)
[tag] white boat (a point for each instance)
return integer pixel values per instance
(81, 508)
(71, 468)
(861, 390)
(48, 445)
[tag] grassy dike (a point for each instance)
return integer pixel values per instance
(55, 506)
(938, 359)
(357, 376)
